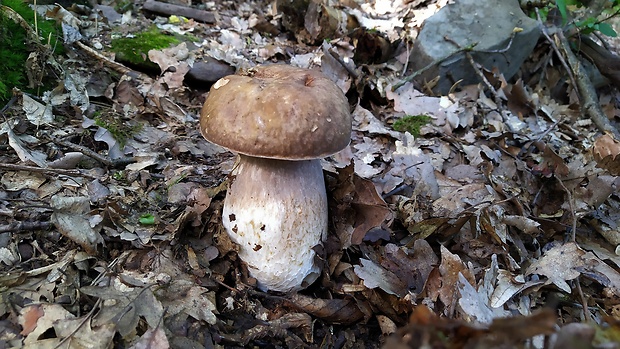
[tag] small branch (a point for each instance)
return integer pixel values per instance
(24, 226)
(555, 49)
(432, 64)
(110, 63)
(170, 9)
(478, 71)
(579, 79)
(87, 318)
(584, 302)
(55, 171)
(344, 64)
(571, 204)
(589, 98)
(8, 105)
(15, 17)
(94, 155)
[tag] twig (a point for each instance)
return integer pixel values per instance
(94, 155)
(555, 48)
(56, 171)
(110, 63)
(406, 65)
(344, 64)
(86, 318)
(432, 64)
(584, 303)
(170, 9)
(579, 79)
(15, 17)
(571, 204)
(8, 105)
(478, 71)
(544, 134)
(24, 226)
(589, 98)
(118, 260)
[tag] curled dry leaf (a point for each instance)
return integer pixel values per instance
(338, 311)
(38, 114)
(527, 225)
(17, 143)
(426, 330)
(445, 283)
(550, 163)
(360, 205)
(475, 301)
(71, 217)
(412, 266)
(601, 272)
(605, 151)
(372, 211)
(279, 328)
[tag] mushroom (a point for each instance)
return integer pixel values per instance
(281, 120)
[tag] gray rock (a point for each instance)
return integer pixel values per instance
(209, 70)
(490, 24)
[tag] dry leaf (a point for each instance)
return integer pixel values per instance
(29, 317)
(152, 339)
(449, 270)
(476, 303)
(83, 335)
(605, 151)
(337, 311)
(372, 211)
(559, 264)
(46, 316)
(71, 217)
(376, 276)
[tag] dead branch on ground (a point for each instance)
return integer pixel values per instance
(587, 93)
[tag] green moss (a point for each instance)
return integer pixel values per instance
(123, 6)
(14, 46)
(120, 131)
(411, 123)
(135, 50)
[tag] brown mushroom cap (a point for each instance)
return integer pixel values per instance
(279, 112)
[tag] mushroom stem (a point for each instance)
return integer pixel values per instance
(276, 210)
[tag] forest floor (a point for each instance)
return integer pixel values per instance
(491, 221)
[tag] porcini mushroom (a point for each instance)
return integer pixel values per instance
(281, 120)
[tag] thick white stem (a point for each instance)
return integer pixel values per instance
(276, 211)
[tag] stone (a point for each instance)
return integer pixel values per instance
(490, 24)
(209, 70)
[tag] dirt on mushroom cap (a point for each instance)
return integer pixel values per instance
(279, 112)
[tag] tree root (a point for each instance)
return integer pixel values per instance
(587, 94)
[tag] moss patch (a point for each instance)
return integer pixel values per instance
(411, 123)
(119, 130)
(14, 47)
(135, 50)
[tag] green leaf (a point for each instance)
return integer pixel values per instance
(607, 29)
(147, 219)
(561, 4)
